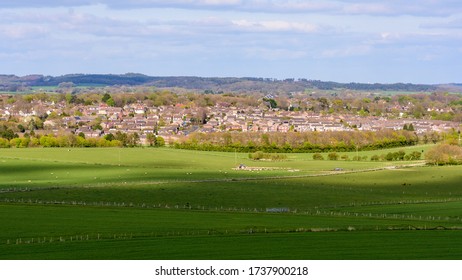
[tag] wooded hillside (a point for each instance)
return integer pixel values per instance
(227, 84)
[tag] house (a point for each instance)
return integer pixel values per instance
(88, 132)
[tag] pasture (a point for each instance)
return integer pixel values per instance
(143, 203)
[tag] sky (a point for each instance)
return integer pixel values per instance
(410, 41)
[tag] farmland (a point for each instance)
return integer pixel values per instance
(161, 203)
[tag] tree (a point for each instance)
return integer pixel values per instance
(106, 97)
(21, 128)
(97, 127)
(418, 111)
(271, 102)
(132, 139)
(109, 137)
(408, 127)
(160, 141)
(7, 133)
(110, 102)
(444, 154)
(122, 137)
(151, 139)
(15, 142)
(48, 141)
(70, 98)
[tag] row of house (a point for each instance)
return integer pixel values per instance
(172, 121)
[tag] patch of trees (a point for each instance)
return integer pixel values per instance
(71, 140)
(408, 127)
(156, 141)
(391, 156)
(297, 142)
(47, 141)
(376, 86)
(94, 79)
(397, 156)
(7, 133)
(444, 154)
(259, 155)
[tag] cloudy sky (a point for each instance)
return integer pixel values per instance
(417, 41)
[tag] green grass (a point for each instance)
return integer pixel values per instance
(175, 204)
(95, 233)
(50, 167)
(405, 245)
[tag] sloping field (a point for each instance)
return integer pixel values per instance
(176, 204)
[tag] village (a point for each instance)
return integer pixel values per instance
(173, 121)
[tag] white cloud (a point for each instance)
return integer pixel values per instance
(179, 35)
(275, 26)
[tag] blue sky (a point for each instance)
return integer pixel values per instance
(344, 41)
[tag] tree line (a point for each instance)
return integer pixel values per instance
(71, 140)
(391, 156)
(202, 83)
(297, 142)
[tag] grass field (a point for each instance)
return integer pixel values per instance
(147, 203)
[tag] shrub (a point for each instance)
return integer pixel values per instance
(318, 156)
(4, 143)
(258, 155)
(375, 158)
(390, 156)
(160, 141)
(332, 156)
(400, 155)
(415, 155)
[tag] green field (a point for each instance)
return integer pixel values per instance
(143, 203)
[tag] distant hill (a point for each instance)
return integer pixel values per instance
(245, 84)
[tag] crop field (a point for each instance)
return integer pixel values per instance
(151, 203)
